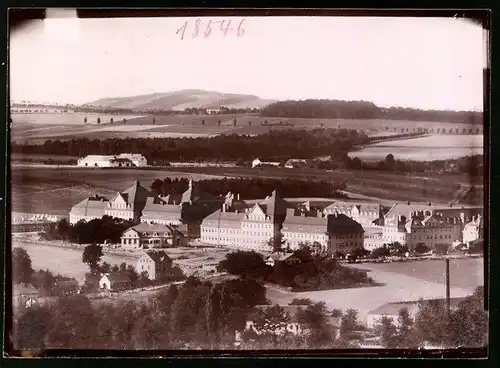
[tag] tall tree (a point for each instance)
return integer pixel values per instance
(22, 271)
(388, 332)
(85, 120)
(98, 120)
(92, 255)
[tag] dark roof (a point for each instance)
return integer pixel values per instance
(159, 256)
(117, 278)
(274, 205)
(136, 195)
(393, 309)
(342, 224)
(19, 289)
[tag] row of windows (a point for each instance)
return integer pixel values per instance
(435, 237)
(348, 244)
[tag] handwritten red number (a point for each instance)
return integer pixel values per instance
(208, 30)
(225, 29)
(241, 31)
(196, 27)
(182, 30)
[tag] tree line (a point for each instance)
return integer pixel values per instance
(249, 188)
(316, 270)
(99, 230)
(473, 165)
(276, 144)
(336, 109)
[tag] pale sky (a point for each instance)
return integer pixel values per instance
(429, 63)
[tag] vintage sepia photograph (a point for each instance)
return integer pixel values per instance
(247, 183)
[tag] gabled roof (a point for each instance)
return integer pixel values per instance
(90, 206)
(392, 309)
(280, 257)
(156, 206)
(274, 205)
(342, 224)
(117, 278)
(223, 219)
(21, 290)
(158, 257)
(297, 223)
(150, 229)
(136, 195)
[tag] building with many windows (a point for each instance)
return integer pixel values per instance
(251, 228)
(121, 160)
(88, 209)
(148, 236)
(473, 230)
(368, 215)
(156, 264)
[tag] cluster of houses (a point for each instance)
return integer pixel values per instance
(227, 220)
(121, 160)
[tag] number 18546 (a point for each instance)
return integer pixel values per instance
(207, 28)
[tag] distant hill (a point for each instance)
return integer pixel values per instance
(180, 100)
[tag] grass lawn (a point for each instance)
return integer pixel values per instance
(36, 128)
(56, 190)
(432, 147)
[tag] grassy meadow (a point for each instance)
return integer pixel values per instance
(36, 128)
(428, 148)
(54, 191)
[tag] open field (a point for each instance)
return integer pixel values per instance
(410, 282)
(68, 261)
(36, 128)
(55, 191)
(432, 147)
(385, 185)
(65, 261)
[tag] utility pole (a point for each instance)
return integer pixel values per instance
(448, 286)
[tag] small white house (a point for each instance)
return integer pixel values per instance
(114, 282)
(257, 162)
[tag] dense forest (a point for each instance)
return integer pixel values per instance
(251, 188)
(275, 145)
(334, 109)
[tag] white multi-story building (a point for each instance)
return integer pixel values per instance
(367, 214)
(121, 160)
(473, 230)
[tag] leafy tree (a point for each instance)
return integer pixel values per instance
(421, 248)
(22, 271)
(337, 313)
(92, 255)
(277, 242)
(111, 120)
(105, 267)
(388, 332)
(349, 324)
(389, 161)
(272, 320)
(244, 263)
(314, 317)
(249, 123)
(31, 328)
(85, 120)
(301, 301)
(124, 121)
(98, 120)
